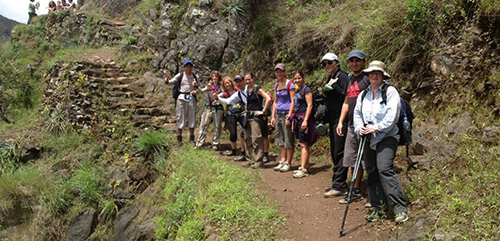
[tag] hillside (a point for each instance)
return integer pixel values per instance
(6, 26)
(86, 120)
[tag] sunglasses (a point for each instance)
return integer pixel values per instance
(323, 64)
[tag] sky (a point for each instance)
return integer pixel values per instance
(18, 9)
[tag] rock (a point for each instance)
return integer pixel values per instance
(119, 193)
(29, 153)
(491, 134)
(82, 226)
(60, 165)
(446, 236)
(138, 172)
(419, 228)
(125, 228)
(442, 64)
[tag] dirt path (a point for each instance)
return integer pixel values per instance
(310, 216)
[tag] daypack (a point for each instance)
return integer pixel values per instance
(405, 121)
(288, 84)
(176, 90)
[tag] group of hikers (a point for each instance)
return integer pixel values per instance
(61, 5)
(362, 108)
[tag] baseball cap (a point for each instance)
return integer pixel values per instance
(280, 66)
(356, 54)
(330, 56)
(188, 62)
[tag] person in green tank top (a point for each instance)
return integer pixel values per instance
(32, 10)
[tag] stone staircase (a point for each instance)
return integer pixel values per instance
(100, 91)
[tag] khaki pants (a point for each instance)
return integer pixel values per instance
(207, 117)
(254, 141)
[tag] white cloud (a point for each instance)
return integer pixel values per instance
(18, 9)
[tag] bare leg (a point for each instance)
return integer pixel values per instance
(289, 155)
(304, 155)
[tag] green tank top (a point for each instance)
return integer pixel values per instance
(31, 8)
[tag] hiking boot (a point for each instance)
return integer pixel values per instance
(356, 196)
(230, 153)
(265, 159)
(278, 167)
(334, 193)
(191, 139)
(401, 217)
(247, 164)
(374, 216)
(285, 167)
(301, 173)
(256, 165)
(179, 139)
(240, 158)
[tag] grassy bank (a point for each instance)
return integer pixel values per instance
(202, 191)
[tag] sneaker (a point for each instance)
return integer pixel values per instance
(215, 147)
(300, 174)
(240, 158)
(285, 167)
(401, 217)
(278, 167)
(256, 165)
(356, 196)
(368, 204)
(247, 164)
(334, 193)
(299, 170)
(374, 216)
(230, 153)
(265, 159)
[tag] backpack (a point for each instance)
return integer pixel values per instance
(405, 121)
(176, 90)
(288, 84)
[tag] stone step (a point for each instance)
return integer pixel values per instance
(112, 80)
(125, 79)
(126, 94)
(127, 87)
(152, 111)
(95, 73)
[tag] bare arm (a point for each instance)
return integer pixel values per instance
(343, 114)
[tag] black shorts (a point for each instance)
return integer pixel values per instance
(300, 134)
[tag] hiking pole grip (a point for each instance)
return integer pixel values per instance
(361, 148)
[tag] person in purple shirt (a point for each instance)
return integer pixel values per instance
(284, 91)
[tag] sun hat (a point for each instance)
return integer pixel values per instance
(280, 66)
(377, 65)
(356, 54)
(188, 62)
(330, 56)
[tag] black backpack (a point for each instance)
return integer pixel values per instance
(406, 115)
(176, 90)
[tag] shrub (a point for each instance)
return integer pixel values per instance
(153, 143)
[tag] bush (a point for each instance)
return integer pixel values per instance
(153, 143)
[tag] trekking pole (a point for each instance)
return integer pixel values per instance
(353, 180)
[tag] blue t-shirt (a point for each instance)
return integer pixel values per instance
(300, 99)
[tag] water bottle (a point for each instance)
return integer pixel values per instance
(406, 124)
(190, 97)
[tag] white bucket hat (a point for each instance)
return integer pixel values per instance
(377, 65)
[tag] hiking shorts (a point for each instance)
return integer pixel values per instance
(351, 148)
(284, 134)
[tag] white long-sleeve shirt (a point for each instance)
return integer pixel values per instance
(382, 117)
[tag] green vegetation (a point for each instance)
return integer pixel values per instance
(154, 143)
(203, 191)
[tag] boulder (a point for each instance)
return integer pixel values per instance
(491, 134)
(419, 228)
(29, 153)
(124, 226)
(82, 226)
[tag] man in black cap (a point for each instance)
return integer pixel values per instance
(357, 83)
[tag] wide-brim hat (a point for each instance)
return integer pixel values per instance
(377, 66)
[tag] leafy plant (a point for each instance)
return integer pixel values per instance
(9, 155)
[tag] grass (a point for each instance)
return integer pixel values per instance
(154, 143)
(202, 191)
